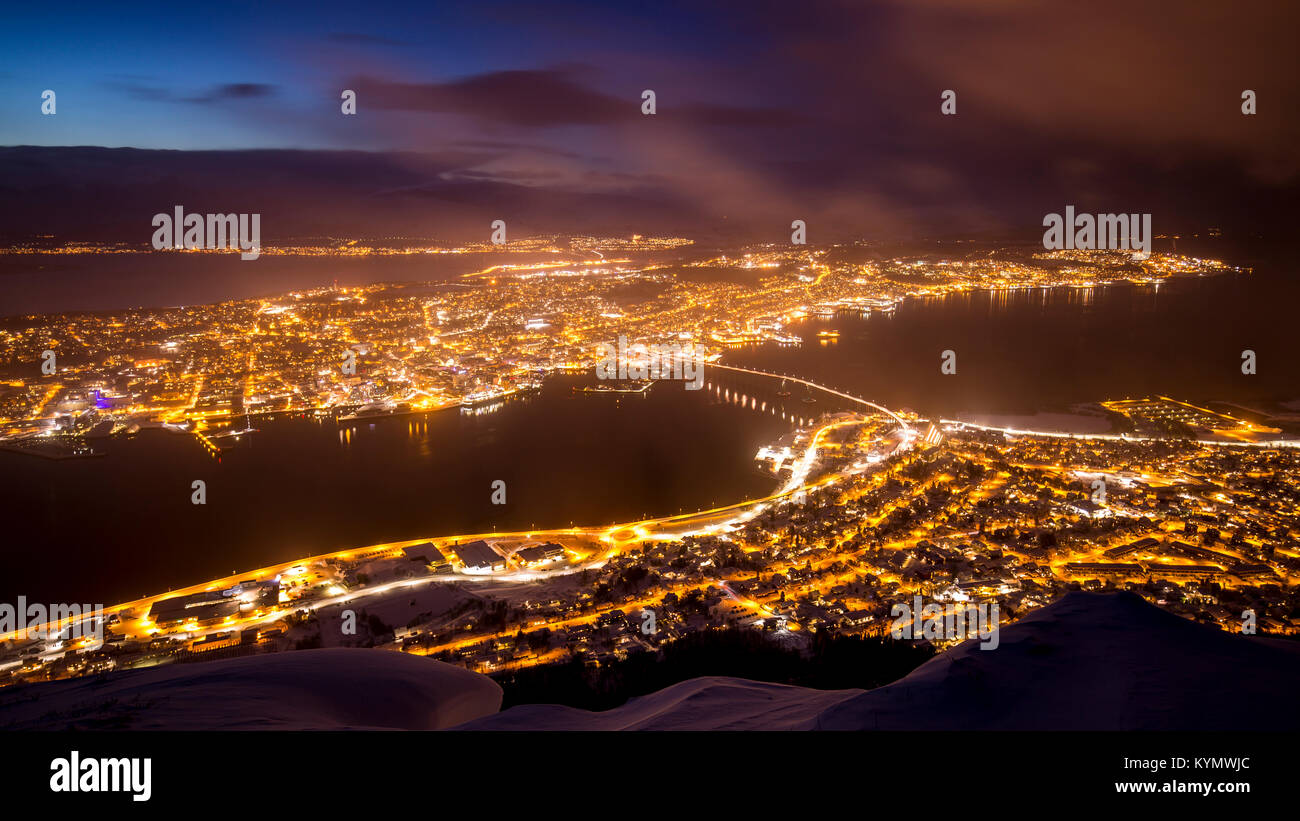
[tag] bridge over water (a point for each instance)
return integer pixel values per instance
(814, 386)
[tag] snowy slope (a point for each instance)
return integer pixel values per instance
(1090, 661)
(707, 703)
(306, 689)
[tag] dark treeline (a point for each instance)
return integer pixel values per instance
(832, 663)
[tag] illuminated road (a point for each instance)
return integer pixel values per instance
(1118, 437)
(614, 538)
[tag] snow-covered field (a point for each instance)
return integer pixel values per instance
(1046, 422)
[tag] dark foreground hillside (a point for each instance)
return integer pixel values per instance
(1090, 661)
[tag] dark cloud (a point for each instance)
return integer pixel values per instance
(235, 91)
(216, 94)
(539, 98)
(111, 194)
(520, 98)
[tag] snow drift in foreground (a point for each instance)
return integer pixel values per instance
(706, 703)
(334, 689)
(1090, 661)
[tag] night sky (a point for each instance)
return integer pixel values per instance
(767, 112)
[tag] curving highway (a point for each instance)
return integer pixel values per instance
(614, 537)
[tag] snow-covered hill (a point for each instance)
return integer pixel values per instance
(334, 689)
(1090, 661)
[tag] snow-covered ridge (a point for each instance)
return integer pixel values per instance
(1090, 661)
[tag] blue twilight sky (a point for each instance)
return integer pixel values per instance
(256, 75)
